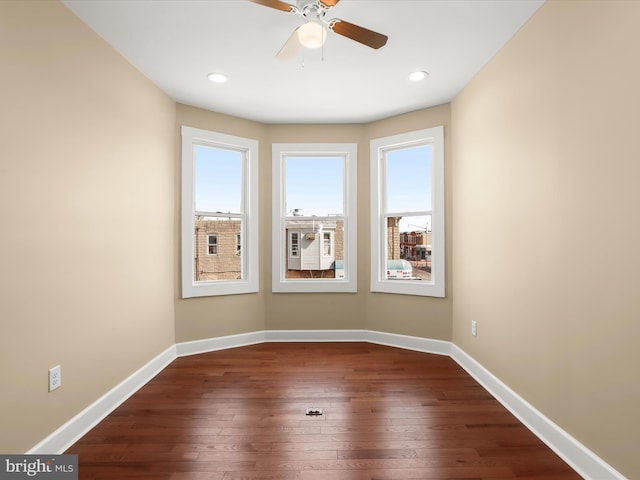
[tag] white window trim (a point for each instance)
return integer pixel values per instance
(250, 267)
(436, 287)
(280, 151)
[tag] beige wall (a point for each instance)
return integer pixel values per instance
(546, 232)
(86, 185)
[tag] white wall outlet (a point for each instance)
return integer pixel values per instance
(474, 328)
(55, 378)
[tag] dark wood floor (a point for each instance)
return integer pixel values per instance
(389, 414)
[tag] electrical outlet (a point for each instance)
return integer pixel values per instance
(474, 328)
(55, 378)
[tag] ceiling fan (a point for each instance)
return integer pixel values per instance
(312, 34)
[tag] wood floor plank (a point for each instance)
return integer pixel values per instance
(388, 414)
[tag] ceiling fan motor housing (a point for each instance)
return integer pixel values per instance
(311, 9)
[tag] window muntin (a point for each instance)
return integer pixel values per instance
(407, 193)
(314, 217)
(219, 214)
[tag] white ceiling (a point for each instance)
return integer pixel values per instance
(176, 43)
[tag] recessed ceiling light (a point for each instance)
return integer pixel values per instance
(417, 76)
(217, 77)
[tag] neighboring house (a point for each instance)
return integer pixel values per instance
(313, 247)
(415, 245)
(218, 249)
(408, 253)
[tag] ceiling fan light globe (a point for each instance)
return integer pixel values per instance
(312, 35)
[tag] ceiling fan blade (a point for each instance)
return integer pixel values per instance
(290, 48)
(277, 4)
(329, 3)
(359, 34)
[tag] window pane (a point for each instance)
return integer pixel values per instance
(218, 180)
(314, 186)
(409, 248)
(408, 179)
(218, 253)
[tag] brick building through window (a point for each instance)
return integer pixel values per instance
(218, 249)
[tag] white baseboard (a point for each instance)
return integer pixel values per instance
(219, 343)
(407, 342)
(315, 335)
(381, 338)
(579, 457)
(74, 429)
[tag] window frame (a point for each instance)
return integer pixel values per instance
(280, 251)
(191, 138)
(378, 147)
